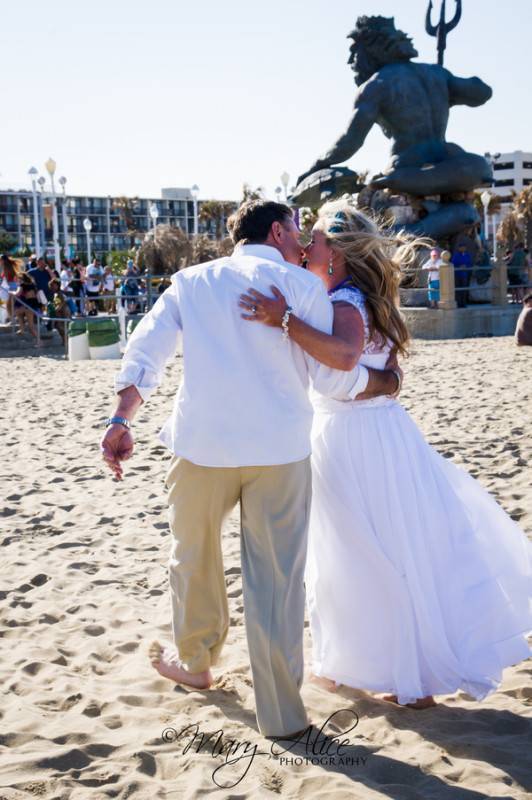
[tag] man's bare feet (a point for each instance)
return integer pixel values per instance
(166, 662)
(423, 702)
(325, 683)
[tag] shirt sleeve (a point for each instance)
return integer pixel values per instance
(339, 384)
(151, 345)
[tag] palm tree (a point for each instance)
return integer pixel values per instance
(166, 252)
(252, 194)
(523, 210)
(216, 212)
(517, 225)
(125, 207)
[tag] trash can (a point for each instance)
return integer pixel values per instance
(78, 340)
(131, 325)
(104, 339)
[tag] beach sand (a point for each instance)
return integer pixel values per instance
(84, 590)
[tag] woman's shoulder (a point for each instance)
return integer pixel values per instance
(349, 294)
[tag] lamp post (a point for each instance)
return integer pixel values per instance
(66, 240)
(41, 181)
(285, 179)
(50, 168)
(492, 158)
(278, 191)
(486, 199)
(154, 213)
(37, 234)
(87, 224)
(195, 193)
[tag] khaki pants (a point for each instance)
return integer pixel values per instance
(275, 503)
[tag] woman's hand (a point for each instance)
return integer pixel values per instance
(267, 310)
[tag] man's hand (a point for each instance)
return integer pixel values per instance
(117, 445)
(383, 382)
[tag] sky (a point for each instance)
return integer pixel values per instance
(129, 96)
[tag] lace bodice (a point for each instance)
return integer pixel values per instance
(374, 345)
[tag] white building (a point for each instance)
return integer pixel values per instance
(512, 173)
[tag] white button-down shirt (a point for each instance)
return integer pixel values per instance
(244, 397)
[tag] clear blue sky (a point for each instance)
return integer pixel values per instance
(130, 96)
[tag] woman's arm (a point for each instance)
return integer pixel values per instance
(340, 350)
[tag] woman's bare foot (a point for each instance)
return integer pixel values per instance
(423, 702)
(166, 662)
(325, 683)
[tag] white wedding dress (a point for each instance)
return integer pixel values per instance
(417, 581)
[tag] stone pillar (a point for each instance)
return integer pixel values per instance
(447, 298)
(500, 284)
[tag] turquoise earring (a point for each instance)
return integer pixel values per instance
(330, 271)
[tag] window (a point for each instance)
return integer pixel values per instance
(527, 164)
(505, 182)
(527, 181)
(504, 165)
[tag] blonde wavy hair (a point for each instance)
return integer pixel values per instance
(374, 258)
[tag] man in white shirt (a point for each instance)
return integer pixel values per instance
(240, 431)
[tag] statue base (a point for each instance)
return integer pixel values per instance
(438, 217)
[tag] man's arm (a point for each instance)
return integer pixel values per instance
(363, 119)
(150, 346)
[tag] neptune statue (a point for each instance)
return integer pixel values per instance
(410, 101)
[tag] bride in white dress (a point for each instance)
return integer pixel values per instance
(418, 583)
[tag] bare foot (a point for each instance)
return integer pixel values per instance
(423, 702)
(166, 662)
(325, 683)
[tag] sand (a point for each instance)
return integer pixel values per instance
(84, 590)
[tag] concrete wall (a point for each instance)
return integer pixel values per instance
(461, 323)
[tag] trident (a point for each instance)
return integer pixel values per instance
(442, 28)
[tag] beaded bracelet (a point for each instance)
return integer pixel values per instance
(284, 322)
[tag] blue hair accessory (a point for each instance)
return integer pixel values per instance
(340, 217)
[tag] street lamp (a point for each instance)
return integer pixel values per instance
(41, 181)
(50, 168)
(66, 242)
(87, 224)
(37, 234)
(154, 213)
(486, 199)
(285, 179)
(278, 191)
(195, 193)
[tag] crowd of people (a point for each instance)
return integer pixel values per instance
(517, 260)
(33, 285)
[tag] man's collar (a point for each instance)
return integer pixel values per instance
(259, 251)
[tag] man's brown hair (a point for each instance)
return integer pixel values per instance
(251, 223)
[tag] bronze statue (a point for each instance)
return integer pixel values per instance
(410, 101)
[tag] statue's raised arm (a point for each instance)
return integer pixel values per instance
(364, 117)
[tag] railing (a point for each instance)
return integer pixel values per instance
(448, 290)
(40, 317)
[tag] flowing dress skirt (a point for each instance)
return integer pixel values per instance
(417, 581)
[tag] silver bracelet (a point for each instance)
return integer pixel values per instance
(284, 321)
